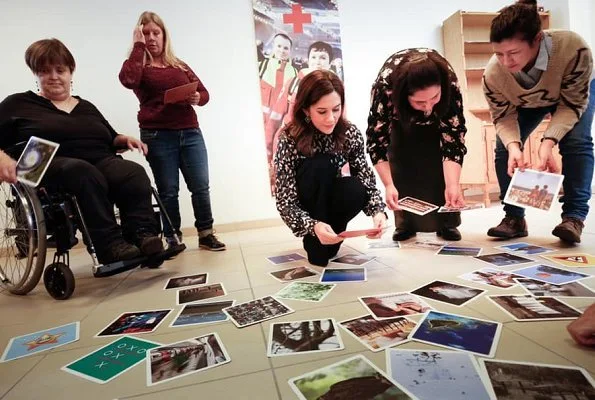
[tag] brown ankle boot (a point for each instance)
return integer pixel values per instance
(569, 230)
(509, 227)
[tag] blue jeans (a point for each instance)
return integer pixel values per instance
(576, 149)
(184, 150)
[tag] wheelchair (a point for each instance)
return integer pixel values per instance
(33, 220)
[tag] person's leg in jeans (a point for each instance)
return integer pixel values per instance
(513, 225)
(87, 183)
(164, 158)
(576, 149)
(194, 163)
(130, 188)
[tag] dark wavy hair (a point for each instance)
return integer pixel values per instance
(48, 52)
(417, 71)
(313, 87)
(520, 20)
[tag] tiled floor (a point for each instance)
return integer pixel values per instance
(243, 270)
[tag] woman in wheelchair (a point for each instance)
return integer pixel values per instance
(86, 164)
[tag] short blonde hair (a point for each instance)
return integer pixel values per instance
(169, 58)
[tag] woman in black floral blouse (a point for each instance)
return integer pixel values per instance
(313, 199)
(415, 139)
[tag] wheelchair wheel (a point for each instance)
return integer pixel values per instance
(59, 281)
(23, 239)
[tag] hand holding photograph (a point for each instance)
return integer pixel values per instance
(533, 189)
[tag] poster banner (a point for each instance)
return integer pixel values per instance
(292, 39)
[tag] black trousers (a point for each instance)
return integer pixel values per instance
(97, 187)
(327, 198)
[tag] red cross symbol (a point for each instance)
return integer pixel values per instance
(297, 18)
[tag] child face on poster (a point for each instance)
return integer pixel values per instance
(281, 47)
(319, 59)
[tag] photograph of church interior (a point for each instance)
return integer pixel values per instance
(310, 199)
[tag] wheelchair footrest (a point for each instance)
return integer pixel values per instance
(150, 262)
(118, 267)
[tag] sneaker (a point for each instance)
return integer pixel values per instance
(401, 234)
(509, 227)
(569, 230)
(118, 250)
(451, 234)
(210, 242)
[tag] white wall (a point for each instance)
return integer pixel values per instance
(217, 40)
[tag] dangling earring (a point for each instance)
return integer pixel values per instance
(37, 85)
(307, 119)
(71, 87)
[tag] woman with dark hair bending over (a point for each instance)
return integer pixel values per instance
(415, 139)
(313, 199)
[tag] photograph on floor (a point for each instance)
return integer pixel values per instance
(533, 189)
(353, 259)
(173, 361)
(491, 276)
(302, 337)
(305, 291)
(529, 308)
(286, 258)
(427, 243)
(430, 374)
(539, 288)
(383, 244)
(111, 360)
(525, 249)
(473, 335)
(514, 380)
(549, 274)
(188, 280)
(448, 292)
(202, 313)
(291, 41)
(200, 293)
(255, 311)
(341, 275)
(504, 259)
(391, 305)
(459, 251)
(353, 378)
(379, 335)
(36, 342)
(292, 274)
(130, 323)
(576, 260)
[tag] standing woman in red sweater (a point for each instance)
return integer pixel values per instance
(170, 130)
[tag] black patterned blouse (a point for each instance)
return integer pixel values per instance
(382, 115)
(287, 160)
